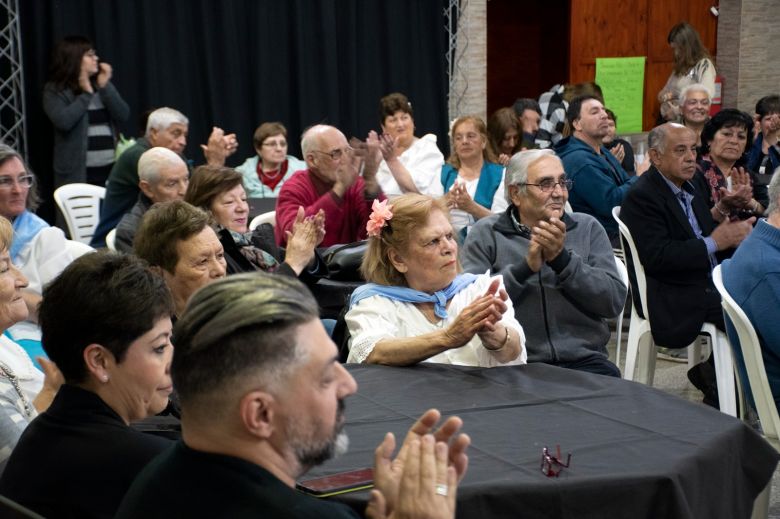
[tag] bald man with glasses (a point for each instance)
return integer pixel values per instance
(332, 183)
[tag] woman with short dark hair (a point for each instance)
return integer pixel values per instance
(409, 164)
(106, 323)
(220, 192)
(265, 173)
(729, 188)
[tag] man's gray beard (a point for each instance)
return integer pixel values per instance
(310, 454)
(341, 445)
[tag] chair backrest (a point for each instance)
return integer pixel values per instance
(636, 265)
(269, 217)
(623, 271)
(80, 205)
(749, 345)
(111, 239)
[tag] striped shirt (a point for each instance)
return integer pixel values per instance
(100, 135)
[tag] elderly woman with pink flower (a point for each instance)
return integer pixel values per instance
(417, 305)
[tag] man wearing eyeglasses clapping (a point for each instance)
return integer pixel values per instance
(332, 183)
(558, 268)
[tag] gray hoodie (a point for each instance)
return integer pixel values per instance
(563, 308)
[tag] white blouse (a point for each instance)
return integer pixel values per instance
(14, 356)
(378, 317)
(423, 160)
(461, 218)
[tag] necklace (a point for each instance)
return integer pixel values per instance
(11, 376)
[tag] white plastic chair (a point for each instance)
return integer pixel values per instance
(80, 205)
(269, 217)
(624, 277)
(749, 345)
(754, 362)
(111, 239)
(640, 350)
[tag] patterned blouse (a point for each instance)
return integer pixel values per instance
(715, 179)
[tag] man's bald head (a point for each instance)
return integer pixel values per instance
(673, 152)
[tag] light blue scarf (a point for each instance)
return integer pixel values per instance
(26, 226)
(410, 295)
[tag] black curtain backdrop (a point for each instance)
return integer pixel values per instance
(237, 63)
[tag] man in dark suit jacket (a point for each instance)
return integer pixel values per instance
(677, 238)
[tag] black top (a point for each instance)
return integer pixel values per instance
(263, 239)
(77, 459)
(183, 482)
(680, 293)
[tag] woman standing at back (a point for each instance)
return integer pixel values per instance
(84, 108)
(692, 64)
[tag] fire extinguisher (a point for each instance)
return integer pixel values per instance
(717, 99)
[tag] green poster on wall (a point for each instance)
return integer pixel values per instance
(622, 82)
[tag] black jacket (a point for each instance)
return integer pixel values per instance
(680, 291)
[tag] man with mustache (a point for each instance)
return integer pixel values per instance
(677, 239)
(262, 396)
(559, 269)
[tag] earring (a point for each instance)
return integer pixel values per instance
(105, 378)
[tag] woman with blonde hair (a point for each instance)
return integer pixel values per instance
(418, 306)
(24, 390)
(472, 180)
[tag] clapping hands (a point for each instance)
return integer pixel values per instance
(307, 233)
(422, 479)
(547, 239)
(219, 146)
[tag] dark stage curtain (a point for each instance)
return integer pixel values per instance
(237, 63)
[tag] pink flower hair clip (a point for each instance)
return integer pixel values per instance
(380, 215)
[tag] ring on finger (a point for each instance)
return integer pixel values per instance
(441, 489)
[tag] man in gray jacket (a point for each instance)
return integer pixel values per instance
(559, 269)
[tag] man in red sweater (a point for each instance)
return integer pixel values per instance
(332, 182)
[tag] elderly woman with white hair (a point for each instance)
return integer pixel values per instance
(558, 268)
(695, 103)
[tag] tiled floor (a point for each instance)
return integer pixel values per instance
(671, 377)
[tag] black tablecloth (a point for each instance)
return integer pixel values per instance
(636, 452)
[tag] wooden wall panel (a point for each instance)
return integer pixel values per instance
(527, 49)
(614, 28)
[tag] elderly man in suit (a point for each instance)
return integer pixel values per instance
(677, 238)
